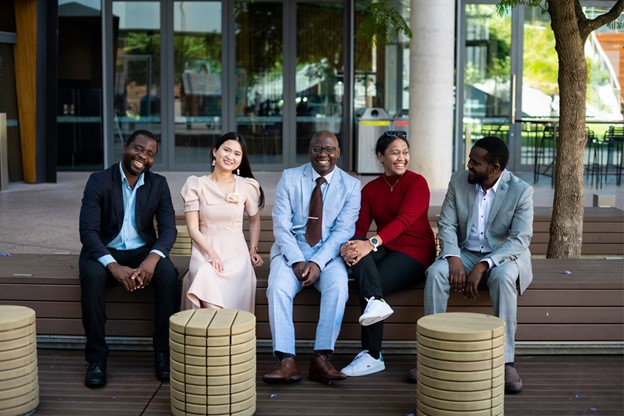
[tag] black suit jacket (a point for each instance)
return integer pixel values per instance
(102, 212)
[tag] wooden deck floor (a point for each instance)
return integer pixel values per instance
(554, 385)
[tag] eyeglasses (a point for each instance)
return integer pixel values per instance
(330, 150)
(396, 133)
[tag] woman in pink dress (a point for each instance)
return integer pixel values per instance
(221, 271)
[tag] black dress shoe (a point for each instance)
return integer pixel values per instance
(96, 374)
(161, 365)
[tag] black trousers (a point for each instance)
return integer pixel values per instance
(378, 274)
(94, 279)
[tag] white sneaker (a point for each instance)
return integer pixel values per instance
(364, 364)
(376, 311)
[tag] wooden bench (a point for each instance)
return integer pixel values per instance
(603, 231)
(585, 306)
(570, 304)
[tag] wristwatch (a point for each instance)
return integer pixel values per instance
(374, 242)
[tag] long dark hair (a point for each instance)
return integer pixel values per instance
(244, 167)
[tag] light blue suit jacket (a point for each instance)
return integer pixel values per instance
(341, 206)
(509, 228)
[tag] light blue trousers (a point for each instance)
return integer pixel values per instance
(501, 281)
(282, 289)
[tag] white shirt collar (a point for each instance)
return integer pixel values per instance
(327, 177)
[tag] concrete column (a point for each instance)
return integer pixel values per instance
(431, 89)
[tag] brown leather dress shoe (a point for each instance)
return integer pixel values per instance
(513, 382)
(323, 371)
(412, 376)
(286, 372)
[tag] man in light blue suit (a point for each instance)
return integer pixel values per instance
(485, 229)
(298, 261)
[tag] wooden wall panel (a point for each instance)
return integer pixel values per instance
(25, 53)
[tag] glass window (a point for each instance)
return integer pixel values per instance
(197, 79)
(137, 51)
(79, 105)
(381, 70)
(8, 105)
(319, 72)
(7, 17)
(487, 70)
(260, 81)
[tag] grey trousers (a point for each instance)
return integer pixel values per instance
(501, 281)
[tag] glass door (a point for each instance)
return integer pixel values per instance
(79, 81)
(259, 84)
(197, 80)
(137, 71)
(487, 73)
(319, 78)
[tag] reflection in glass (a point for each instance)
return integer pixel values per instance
(487, 102)
(79, 105)
(197, 79)
(320, 72)
(8, 105)
(259, 80)
(381, 69)
(137, 100)
(540, 91)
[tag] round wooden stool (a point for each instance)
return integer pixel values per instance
(461, 365)
(19, 383)
(213, 362)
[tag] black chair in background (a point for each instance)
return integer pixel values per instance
(614, 140)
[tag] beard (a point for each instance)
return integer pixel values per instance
(474, 178)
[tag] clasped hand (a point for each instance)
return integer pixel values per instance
(354, 250)
(133, 279)
(307, 273)
(458, 280)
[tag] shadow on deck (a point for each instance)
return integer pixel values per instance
(554, 385)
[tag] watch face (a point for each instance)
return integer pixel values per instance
(374, 241)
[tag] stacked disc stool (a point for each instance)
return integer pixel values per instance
(19, 383)
(213, 362)
(461, 365)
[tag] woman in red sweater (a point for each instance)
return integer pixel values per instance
(398, 255)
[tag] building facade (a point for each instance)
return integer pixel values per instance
(78, 76)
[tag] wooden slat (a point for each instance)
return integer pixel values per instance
(553, 385)
(586, 292)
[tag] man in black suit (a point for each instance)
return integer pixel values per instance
(120, 245)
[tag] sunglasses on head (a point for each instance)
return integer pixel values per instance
(396, 133)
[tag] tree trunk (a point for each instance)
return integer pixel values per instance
(566, 228)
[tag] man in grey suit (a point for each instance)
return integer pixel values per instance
(298, 261)
(485, 228)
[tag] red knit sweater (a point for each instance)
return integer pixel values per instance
(401, 216)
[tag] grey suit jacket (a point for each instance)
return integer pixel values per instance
(509, 228)
(341, 206)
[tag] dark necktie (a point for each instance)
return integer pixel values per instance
(314, 227)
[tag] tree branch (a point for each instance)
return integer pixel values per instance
(581, 19)
(589, 26)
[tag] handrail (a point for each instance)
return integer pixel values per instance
(556, 120)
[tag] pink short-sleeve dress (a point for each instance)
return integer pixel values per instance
(221, 223)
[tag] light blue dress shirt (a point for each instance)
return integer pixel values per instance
(128, 237)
